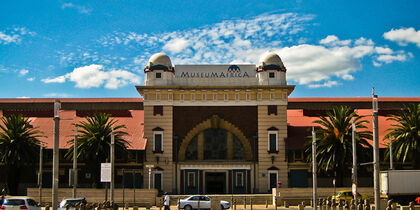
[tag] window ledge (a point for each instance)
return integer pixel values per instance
(269, 152)
(159, 152)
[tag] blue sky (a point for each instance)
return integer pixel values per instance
(99, 48)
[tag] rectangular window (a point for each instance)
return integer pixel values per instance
(237, 96)
(214, 96)
(298, 155)
(170, 96)
(158, 96)
(272, 96)
(273, 180)
(192, 96)
(271, 75)
(157, 181)
(248, 96)
(158, 110)
(272, 141)
(239, 179)
(157, 142)
(181, 97)
(191, 179)
(226, 97)
(272, 109)
(259, 96)
(203, 97)
(158, 75)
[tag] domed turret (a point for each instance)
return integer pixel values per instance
(271, 71)
(159, 61)
(159, 70)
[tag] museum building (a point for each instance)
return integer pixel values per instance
(215, 129)
(203, 129)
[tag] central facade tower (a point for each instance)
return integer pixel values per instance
(215, 129)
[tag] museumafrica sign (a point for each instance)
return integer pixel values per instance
(215, 71)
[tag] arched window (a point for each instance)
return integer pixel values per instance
(215, 144)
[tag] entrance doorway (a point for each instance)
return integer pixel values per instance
(215, 183)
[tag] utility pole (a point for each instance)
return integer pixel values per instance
(41, 151)
(375, 150)
(75, 145)
(391, 157)
(56, 152)
(314, 169)
(112, 163)
(353, 138)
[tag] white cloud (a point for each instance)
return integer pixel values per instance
(176, 45)
(383, 50)
(80, 9)
(404, 36)
(333, 41)
(6, 39)
(31, 79)
(57, 95)
(392, 58)
(60, 79)
(325, 84)
(23, 97)
(94, 76)
(23, 72)
(14, 35)
(247, 40)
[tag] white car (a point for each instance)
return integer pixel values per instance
(205, 203)
(20, 203)
(71, 202)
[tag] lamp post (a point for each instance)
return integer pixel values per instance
(314, 169)
(112, 164)
(41, 151)
(56, 152)
(354, 170)
(375, 149)
(75, 145)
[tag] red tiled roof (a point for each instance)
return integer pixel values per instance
(68, 100)
(134, 127)
(354, 99)
(298, 123)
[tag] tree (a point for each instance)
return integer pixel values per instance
(334, 141)
(19, 146)
(405, 133)
(94, 140)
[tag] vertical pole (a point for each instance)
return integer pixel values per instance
(353, 138)
(134, 188)
(56, 153)
(391, 157)
(314, 169)
(112, 164)
(376, 151)
(123, 181)
(75, 145)
(41, 151)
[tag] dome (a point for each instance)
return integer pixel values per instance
(159, 61)
(272, 62)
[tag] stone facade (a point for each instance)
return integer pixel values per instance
(222, 127)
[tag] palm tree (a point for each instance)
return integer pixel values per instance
(334, 141)
(19, 145)
(406, 134)
(94, 142)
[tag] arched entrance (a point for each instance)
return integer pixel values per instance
(215, 139)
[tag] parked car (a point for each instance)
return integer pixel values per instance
(71, 202)
(346, 195)
(20, 203)
(205, 203)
